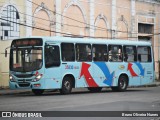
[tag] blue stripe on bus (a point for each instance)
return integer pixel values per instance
(106, 72)
(140, 68)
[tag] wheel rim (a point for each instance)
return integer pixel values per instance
(67, 85)
(122, 83)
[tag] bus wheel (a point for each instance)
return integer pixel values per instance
(66, 86)
(95, 89)
(37, 91)
(122, 84)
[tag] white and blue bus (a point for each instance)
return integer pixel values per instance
(63, 63)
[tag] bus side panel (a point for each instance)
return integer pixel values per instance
(105, 73)
(74, 68)
(147, 73)
(101, 74)
(127, 68)
(134, 77)
(53, 78)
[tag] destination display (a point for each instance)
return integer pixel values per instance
(27, 42)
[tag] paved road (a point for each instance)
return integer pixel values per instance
(135, 99)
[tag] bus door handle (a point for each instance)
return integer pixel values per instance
(64, 63)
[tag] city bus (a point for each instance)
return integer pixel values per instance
(63, 63)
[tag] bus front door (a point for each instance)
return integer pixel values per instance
(52, 65)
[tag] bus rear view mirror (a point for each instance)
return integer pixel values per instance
(5, 53)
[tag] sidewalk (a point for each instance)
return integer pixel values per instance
(7, 91)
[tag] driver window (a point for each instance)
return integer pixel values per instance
(52, 56)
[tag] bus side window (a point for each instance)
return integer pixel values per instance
(68, 52)
(139, 57)
(99, 52)
(83, 52)
(115, 53)
(130, 54)
(52, 56)
(144, 54)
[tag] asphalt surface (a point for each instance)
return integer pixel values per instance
(135, 99)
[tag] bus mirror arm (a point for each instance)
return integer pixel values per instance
(6, 51)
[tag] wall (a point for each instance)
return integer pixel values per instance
(4, 62)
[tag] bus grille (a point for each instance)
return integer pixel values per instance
(24, 80)
(24, 75)
(24, 84)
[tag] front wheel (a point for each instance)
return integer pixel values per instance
(66, 86)
(122, 84)
(37, 91)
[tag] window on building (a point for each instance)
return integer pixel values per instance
(115, 53)
(10, 23)
(145, 28)
(83, 52)
(130, 54)
(99, 52)
(67, 51)
(144, 38)
(144, 54)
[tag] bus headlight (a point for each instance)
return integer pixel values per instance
(11, 78)
(37, 78)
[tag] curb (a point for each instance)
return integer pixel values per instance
(10, 92)
(153, 85)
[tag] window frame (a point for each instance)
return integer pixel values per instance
(56, 64)
(109, 54)
(10, 27)
(94, 52)
(89, 56)
(135, 54)
(73, 52)
(149, 59)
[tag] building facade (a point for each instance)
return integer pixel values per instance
(108, 19)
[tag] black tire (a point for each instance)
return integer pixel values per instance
(37, 91)
(122, 84)
(66, 86)
(95, 89)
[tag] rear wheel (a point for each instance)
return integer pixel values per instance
(66, 86)
(95, 89)
(37, 91)
(122, 84)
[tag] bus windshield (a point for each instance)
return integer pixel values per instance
(26, 59)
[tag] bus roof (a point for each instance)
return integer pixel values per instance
(92, 40)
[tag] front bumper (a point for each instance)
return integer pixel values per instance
(25, 85)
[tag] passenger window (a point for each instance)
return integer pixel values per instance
(144, 54)
(100, 52)
(68, 52)
(115, 53)
(52, 56)
(130, 54)
(83, 52)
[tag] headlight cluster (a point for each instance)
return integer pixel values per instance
(37, 78)
(11, 78)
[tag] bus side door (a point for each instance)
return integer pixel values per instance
(52, 65)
